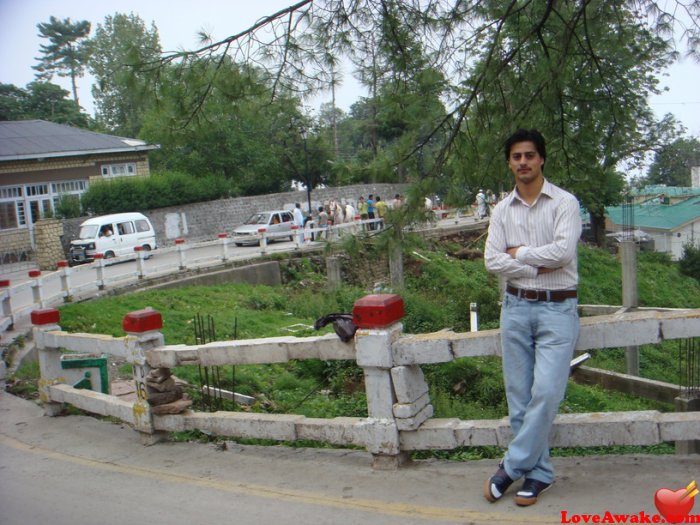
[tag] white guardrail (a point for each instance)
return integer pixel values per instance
(399, 412)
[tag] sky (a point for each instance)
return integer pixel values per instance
(179, 21)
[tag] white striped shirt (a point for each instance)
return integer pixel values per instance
(547, 232)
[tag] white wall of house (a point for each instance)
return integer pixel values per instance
(672, 242)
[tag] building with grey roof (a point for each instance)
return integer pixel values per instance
(42, 161)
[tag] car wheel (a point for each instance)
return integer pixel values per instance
(109, 255)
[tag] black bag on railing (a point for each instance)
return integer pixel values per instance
(342, 324)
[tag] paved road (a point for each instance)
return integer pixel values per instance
(79, 470)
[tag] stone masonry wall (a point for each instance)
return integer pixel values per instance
(205, 220)
(49, 250)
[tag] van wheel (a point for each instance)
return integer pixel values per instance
(146, 248)
(109, 255)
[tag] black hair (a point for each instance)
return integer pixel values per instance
(526, 135)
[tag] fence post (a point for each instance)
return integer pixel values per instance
(7, 302)
(142, 328)
(49, 357)
(100, 270)
(262, 235)
(37, 288)
(473, 317)
(296, 235)
(378, 320)
(139, 261)
(66, 271)
(180, 243)
(224, 246)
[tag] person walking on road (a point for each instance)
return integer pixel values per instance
(299, 222)
(532, 241)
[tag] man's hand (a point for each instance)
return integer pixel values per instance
(512, 251)
(542, 269)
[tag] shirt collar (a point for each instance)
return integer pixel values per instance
(547, 190)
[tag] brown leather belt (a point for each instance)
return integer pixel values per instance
(555, 296)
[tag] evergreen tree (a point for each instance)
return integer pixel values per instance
(64, 55)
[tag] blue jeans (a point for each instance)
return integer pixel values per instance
(538, 340)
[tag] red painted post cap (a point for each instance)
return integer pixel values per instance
(142, 321)
(295, 227)
(99, 256)
(179, 241)
(377, 311)
(138, 248)
(223, 235)
(5, 283)
(45, 316)
(62, 264)
(34, 273)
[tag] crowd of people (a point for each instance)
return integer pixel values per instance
(336, 212)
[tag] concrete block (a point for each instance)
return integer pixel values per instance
(679, 426)
(624, 329)
(373, 347)
(472, 344)
(406, 410)
(413, 423)
(380, 435)
(409, 383)
(504, 433)
(279, 427)
(94, 402)
(380, 398)
(338, 431)
(680, 325)
(605, 429)
(478, 433)
(420, 349)
(433, 434)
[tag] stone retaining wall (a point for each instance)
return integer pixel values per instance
(205, 220)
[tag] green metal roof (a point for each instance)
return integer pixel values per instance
(659, 216)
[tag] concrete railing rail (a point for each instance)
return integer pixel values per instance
(399, 409)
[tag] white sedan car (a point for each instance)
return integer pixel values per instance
(278, 224)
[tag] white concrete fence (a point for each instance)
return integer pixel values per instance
(399, 417)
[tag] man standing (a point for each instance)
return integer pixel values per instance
(299, 222)
(532, 240)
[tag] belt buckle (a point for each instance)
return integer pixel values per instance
(530, 295)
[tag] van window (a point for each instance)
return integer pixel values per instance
(125, 228)
(142, 226)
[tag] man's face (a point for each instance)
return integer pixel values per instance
(525, 163)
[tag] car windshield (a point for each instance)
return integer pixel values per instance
(258, 218)
(88, 232)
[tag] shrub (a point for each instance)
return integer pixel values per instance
(689, 264)
(157, 191)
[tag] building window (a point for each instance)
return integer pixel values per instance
(20, 204)
(119, 170)
(8, 216)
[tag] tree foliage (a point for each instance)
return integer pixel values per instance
(121, 91)
(673, 162)
(40, 100)
(65, 54)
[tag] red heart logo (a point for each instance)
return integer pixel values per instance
(673, 505)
